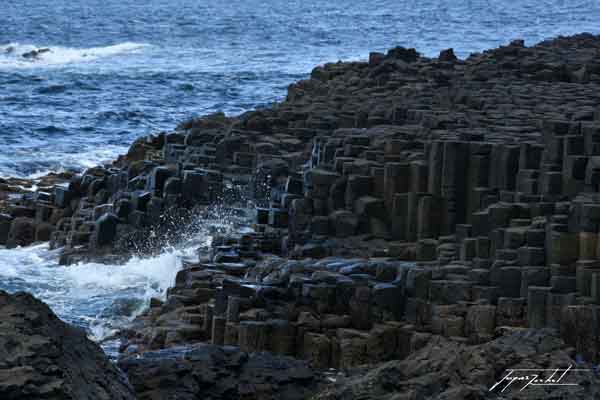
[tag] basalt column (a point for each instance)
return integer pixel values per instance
(454, 183)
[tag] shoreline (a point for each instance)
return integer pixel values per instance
(406, 209)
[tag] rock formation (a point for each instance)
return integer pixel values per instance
(218, 373)
(394, 199)
(42, 357)
(448, 370)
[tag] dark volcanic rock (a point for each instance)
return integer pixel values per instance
(445, 369)
(22, 232)
(106, 229)
(41, 357)
(211, 372)
(484, 171)
(5, 223)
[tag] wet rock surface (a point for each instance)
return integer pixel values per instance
(42, 357)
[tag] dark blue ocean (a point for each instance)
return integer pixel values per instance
(118, 69)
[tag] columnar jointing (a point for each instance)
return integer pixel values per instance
(484, 173)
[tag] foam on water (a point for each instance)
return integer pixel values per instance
(150, 275)
(38, 163)
(104, 298)
(100, 298)
(11, 55)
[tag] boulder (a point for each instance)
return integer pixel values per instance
(404, 54)
(447, 55)
(206, 371)
(42, 357)
(22, 232)
(43, 232)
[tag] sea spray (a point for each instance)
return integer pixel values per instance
(103, 298)
(100, 298)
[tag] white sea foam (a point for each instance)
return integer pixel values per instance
(90, 294)
(151, 275)
(58, 161)
(11, 55)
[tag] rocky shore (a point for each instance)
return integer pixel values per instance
(421, 226)
(41, 357)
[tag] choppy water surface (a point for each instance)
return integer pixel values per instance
(117, 69)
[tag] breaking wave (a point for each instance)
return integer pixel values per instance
(38, 163)
(100, 298)
(103, 298)
(17, 55)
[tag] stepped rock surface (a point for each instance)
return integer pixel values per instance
(384, 204)
(42, 357)
(444, 369)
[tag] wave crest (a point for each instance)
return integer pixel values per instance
(15, 55)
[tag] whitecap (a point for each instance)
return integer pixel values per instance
(11, 55)
(59, 160)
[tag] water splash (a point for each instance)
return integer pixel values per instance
(99, 298)
(104, 298)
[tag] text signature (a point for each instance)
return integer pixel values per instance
(524, 378)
